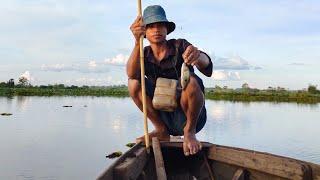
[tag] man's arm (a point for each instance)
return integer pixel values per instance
(204, 64)
(133, 65)
(192, 56)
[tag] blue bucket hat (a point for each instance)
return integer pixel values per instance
(154, 14)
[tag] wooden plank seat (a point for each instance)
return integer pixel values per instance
(160, 169)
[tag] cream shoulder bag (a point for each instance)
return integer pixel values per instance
(165, 93)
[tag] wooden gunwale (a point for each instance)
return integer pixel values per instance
(109, 172)
(264, 162)
(253, 161)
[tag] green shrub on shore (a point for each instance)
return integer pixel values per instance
(244, 94)
(287, 96)
(65, 91)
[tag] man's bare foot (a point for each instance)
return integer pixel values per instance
(161, 135)
(190, 144)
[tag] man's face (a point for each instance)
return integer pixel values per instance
(156, 32)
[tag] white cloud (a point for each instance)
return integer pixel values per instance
(107, 81)
(55, 67)
(27, 75)
(92, 64)
(222, 75)
(297, 64)
(90, 67)
(266, 31)
(257, 67)
(120, 59)
(64, 30)
(233, 62)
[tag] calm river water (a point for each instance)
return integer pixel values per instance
(43, 140)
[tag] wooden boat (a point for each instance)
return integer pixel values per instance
(167, 161)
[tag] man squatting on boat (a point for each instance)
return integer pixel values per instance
(164, 58)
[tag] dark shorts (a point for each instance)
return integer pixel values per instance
(175, 121)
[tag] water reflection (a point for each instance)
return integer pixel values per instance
(43, 139)
(88, 119)
(281, 128)
(116, 124)
(22, 102)
(217, 112)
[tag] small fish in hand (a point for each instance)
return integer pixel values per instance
(185, 75)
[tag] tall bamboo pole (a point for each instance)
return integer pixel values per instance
(144, 103)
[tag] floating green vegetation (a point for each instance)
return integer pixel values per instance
(5, 114)
(114, 155)
(130, 145)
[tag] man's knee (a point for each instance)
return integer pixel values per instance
(192, 92)
(134, 88)
(193, 88)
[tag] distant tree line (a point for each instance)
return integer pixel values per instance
(313, 89)
(22, 82)
(246, 89)
(278, 94)
(25, 83)
(25, 88)
(8, 84)
(275, 94)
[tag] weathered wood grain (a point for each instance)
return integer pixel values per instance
(161, 172)
(131, 167)
(223, 161)
(178, 144)
(276, 165)
(239, 174)
(108, 173)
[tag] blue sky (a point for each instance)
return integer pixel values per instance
(263, 43)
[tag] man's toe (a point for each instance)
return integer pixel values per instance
(196, 149)
(186, 149)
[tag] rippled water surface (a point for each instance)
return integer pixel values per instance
(43, 140)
